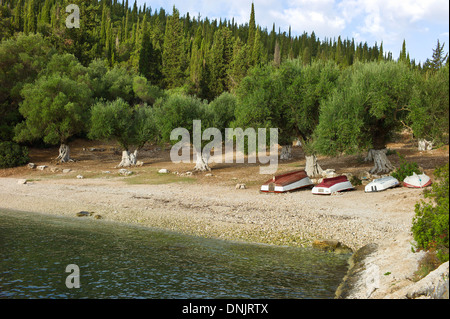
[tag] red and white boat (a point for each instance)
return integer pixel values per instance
(333, 185)
(417, 181)
(287, 182)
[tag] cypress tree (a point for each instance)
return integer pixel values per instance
(251, 34)
(18, 15)
(173, 57)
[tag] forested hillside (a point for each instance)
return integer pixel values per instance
(172, 49)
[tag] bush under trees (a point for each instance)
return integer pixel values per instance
(12, 155)
(431, 223)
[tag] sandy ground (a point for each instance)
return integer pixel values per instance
(210, 206)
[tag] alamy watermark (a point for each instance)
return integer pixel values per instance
(73, 19)
(73, 280)
(256, 146)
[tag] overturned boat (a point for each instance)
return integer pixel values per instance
(333, 185)
(382, 184)
(417, 181)
(287, 182)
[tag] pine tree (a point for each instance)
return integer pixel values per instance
(173, 57)
(438, 59)
(277, 55)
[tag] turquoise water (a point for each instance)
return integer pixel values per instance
(117, 261)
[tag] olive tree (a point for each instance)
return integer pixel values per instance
(364, 111)
(128, 126)
(178, 111)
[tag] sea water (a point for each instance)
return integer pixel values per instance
(117, 261)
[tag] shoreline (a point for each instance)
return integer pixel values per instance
(354, 219)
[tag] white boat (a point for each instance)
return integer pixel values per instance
(287, 182)
(417, 181)
(382, 184)
(333, 185)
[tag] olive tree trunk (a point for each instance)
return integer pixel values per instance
(382, 163)
(201, 163)
(64, 154)
(286, 152)
(128, 159)
(312, 166)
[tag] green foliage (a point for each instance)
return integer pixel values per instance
(429, 116)
(12, 155)
(222, 109)
(405, 169)
(118, 121)
(366, 109)
(431, 223)
(179, 111)
(55, 108)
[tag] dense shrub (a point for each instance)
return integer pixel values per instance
(405, 169)
(430, 225)
(12, 155)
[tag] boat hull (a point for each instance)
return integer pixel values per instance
(333, 185)
(287, 183)
(417, 181)
(382, 184)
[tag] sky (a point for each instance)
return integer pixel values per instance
(419, 22)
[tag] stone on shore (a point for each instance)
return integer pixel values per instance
(164, 171)
(125, 172)
(22, 181)
(31, 165)
(331, 246)
(42, 167)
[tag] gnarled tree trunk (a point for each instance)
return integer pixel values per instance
(128, 159)
(64, 154)
(382, 163)
(425, 145)
(201, 163)
(313, 168)
(286, 152)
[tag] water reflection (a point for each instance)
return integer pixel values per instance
(119, 261)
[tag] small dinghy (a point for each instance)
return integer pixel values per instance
(333, 185)
(417, 181)
(382, 184)
(287, 182)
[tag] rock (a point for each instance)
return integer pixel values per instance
(67, 170)
(433, 286)
(98, 217)
(209, 175)
(80, 177)
(332, 246)
(164, 171)
(106, 172)
(22, 181)
(425, 145)
(84, 214)
(125, 172)
(54, 169)
(139, 163)
(329, 173)
(31, 165)
(188, 173)
(42, 167)
(241, 186)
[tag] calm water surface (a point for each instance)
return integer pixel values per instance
(118, 261)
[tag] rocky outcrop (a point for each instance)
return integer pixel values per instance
(433, 286)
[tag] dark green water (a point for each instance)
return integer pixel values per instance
(118, 261)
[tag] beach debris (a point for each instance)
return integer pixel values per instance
(125, 172)
(241, 186)
(31, 165)
(84, 214)
(42, 167)
(164, 171)
(22, 181)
